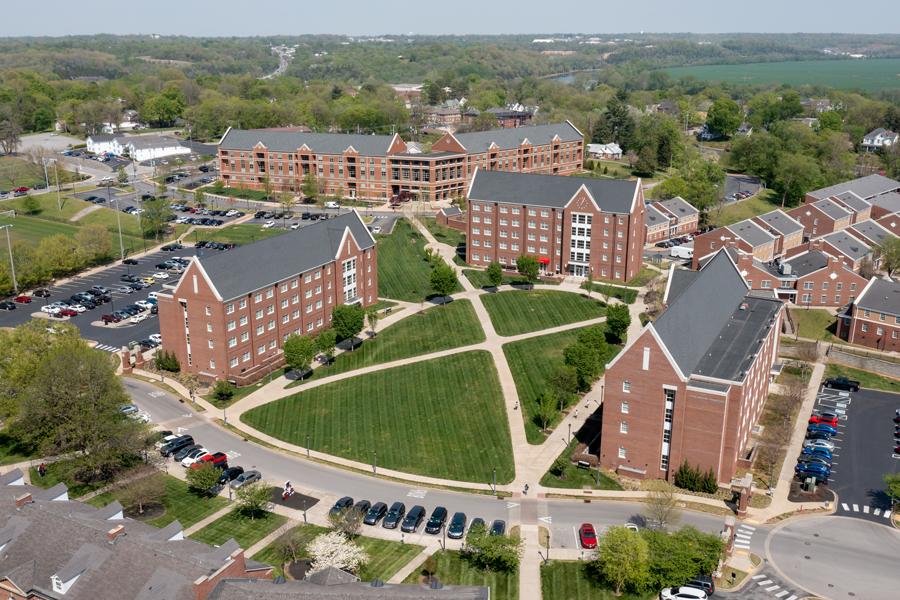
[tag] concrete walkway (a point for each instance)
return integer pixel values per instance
(204, 522)
(410, 567)
(530, 565)
(84, 212)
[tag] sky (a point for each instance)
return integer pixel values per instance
(370, 17)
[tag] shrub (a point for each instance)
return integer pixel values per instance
(167, 361)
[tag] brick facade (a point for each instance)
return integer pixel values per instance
(873, 320)
(816, 223)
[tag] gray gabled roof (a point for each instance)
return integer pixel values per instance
(781, 222)
(679, 207)
(507, 139)
(679, 281)
(451, 211)
(872, 230)
(853, 200)
(864, 187)
(831, 209)
(88, 556)
(889, 201)
(750, 232)
(654, 217)
(231, 589)
(266, 262)
(808, 262)
(319, 143)
(849, 246)
(882, 296)
(551, 191)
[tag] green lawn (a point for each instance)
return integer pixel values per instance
(403, 270)
(761, 203)
(480, 279)
(532, 362)
(452, 569)
(814, 323)
(239, 193)
(446, 235)
(439, 328)
(643, 277)
(385, 557)
(866, 379)
(180, 503)
(49, 208)
(241, 233)
(570, 580)
(11, 451)
(624, 294)
(519, 311)
(574, 478)
(17, 172)
(270, 554)
(420, 418)
(60, 472)
(245, 531)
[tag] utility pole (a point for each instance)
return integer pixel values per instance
(12, 265)
(118, 222)
(58, 194)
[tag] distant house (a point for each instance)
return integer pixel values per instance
(138, 147)
(879, 139)
(814, 106)
(514, 116)
(610, 151)
(104, 143)
(745, 129)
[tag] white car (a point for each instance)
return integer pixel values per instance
(231, 213)
(268, 225)
(376, 229)
(152, 295)
(165, 440)
(123, 290)
(139, 317)
(50, 309)
(77, 308)
(155, 337)
(140, 416)
(144, 304)
(160, 275)
(181, 220)
(682, 593)
(295, 225)
(826, 444)
(193, 456)
(332, 204)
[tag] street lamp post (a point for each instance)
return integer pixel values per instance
(375, 462)
(494, 485)
(12, 265)
(118, 222)
(307, 445)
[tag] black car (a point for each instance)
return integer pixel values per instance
(376, 513)
(457, 527)
(7, 305)
(136, 285)
(201, 244)
(818, 435)
(183, 452)
(230, 474)
(305, 216)
(436, 521)
(259, 214)
(41, 293)
(340, 506)
(362, 507)
(498, 527)
(477, 522)
(176, 445)
(842, 383)
(413, 519)
(394, 515)
(100, 289)
(129, 261)
(703, 582)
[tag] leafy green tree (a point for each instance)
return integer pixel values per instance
(892, 486)
(705, 548)
(200, 197)
(564, 381)
(31, 205)
(670, 187)
(347, 320)
(795, 175)
(494, 274)
(618, 319)
(724, 117)
(616, 123)
(831, 120)
(594, 337)
(223, 391)
(623, 559)
(253, 499)
(670, 562)
(492, 552)
(94, 243)
(528, 266)
(372, 316)
(756, 154)
(547, 408)
(310, 187)
(443, 279)
(659, 143)
(325, 344)
(167, 361)
(203, 479)
(162, 109)
(299, 352)
(155, 218)
(122, 176)
(144, 485)
(586, 361)
(889, 253)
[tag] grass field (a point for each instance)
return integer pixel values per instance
(180, 503)
(532, 362)
(518, 311)
(480, 279)
(10, 450)
(241, 233)
(865, 378)
(439, 328)
(16, 172)
(869, 75)
(420, 418)
(403, 271)
(575, 478)
(814, 323)
(624, 294)
(446, 235)
(569, 580)
(452, 569)
(305, 533)
(245, 531)
(763, 202)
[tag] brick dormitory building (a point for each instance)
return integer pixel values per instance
(572, 225)
(380, 167)
(873, 319)
(693, 384)
(228, 315)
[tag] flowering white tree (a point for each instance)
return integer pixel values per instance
(333, 549)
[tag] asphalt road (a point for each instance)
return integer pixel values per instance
(329, 483)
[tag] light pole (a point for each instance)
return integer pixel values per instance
(12, 265)
(375, 462)
(307, 445)
(118, 222)
(494, 485)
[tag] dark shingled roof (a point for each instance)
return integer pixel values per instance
(306, 590)
(266, 262)
(882, 295)
(507, 139)
(864, 187)
(808, 262)
(551, 191)
(653, 216)
(319, 143)
(849, 245)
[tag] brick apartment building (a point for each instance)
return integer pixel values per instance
(873, 319)
(693, 384)
(572, 225)
(868, 188)
(228, 315)
(379, 167)
(822, 217)
(666, 219)
(788, 231)
(747, 235)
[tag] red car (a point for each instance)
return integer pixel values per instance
(23, 299)
(110, 319)
(824, 420)
(588, 536)
(216, 459)
(21, 189)
(68, 312)
(897, 450)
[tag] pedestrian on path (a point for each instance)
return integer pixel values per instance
(576, 412)
(42, 470)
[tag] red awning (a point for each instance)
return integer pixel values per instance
(544, 260)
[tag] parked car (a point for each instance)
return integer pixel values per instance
(498, 527)
(109, 319)
(230, 474)
(268, 225)
(824, 420)
(587, 535)
(163, 438)
(23, 299)
(41, 293)
(139, 317)
(340, 506)
(175, 445)
(457, 527)
(817, 435)
(50, 309)
(477, 522)
(67, 312)
(811, 459)
(182, 454)
(826, 444)
(436, 521)
(703, 582)
(394, 515)
(823, 452)
(129, 261)
(820, 472)
(682, 593)
(842, 383)
(216, 459)
(246, 478)
(362, 507)
(193, 457)
(413, 519)
(375, 513)
(817, 428)
(156, 338)
(7, 305)
(128, 277)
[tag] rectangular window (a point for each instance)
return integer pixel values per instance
(622, 452)
(243, 303)
(234, 362)
(624, 407)
(232, 342)
(284, 287)
(229, 309)
(245, 336)
(865, 328)
(626, 386)
(231, 325)
(623, 427)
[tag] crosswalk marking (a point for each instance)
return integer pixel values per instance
(773, 588)
(877, 512)
(747, 527)
(844, 505)
(887, 514)
(866, 509)
(856, 508)
(106, 348)
(791, 597)
(758, 576)
(742, 546)
(782, 593)
(764, 582)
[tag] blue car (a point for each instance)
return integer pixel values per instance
(816, 451)
(821, 428)
(820, 472)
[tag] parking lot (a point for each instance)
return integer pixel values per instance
(863, 451)
(382, 223)
(740, 183)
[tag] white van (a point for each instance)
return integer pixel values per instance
(681, 252)
(332, 204)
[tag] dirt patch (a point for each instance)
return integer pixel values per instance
(822, 494)
(298, 569)
(151, 512)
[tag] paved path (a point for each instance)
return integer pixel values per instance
(84, 212)
(410, 567)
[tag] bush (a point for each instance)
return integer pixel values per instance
(223, 391)
(692, 479)
(167, 361)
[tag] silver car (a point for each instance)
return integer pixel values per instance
(245, 478)
(826, 444)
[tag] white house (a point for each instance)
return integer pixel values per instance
(605, 151)
(138, 147)
(102, 143)
(878, 139)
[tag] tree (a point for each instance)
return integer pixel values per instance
(253, 499)
(372, 316)
(867, 267)
(333, 549)
(618, 319)
(443, 279)
(267, 186)
(658, 142)
(347, 521)
(795, 174)
(492, 552)
(528, 266)
(563, 381)
(31, 205)
(200, 197)
(830, 120)
(623, 559)
(203, 479)
(299, 352)
(325, 344)
(310, 187)
(589, 282)
(166, 361)
(586, 361)
(547, 408)
(705, 548)
(724, 117)
(347, 320)
(671, 563)
(889, 253)
(10, 131)
(143, 486)
(892, 486)
(122, 176)
(94, 243)
(223, 391)
(494, 274)
(756, 154)
(616, 123)
(155, 218)
(286, 200)
(662, 505)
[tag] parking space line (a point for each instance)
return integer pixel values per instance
(856, 508)
(877, 512)
(782, 593)
(758, 577)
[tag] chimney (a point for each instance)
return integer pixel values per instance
(23, 500)
(113, 534)
(745, 262)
